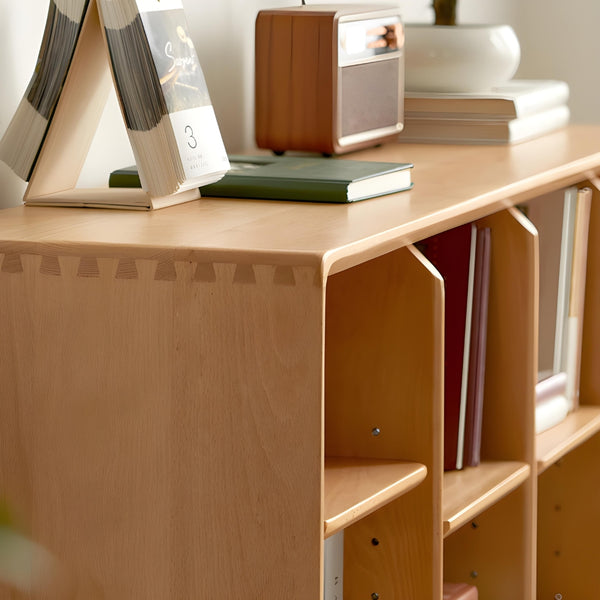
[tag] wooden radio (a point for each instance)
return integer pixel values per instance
(328, 78)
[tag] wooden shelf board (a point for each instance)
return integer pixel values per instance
(470, 491)
(578, 427)
(485, 179)
(355, 487)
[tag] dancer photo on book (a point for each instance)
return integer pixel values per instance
(165, 101)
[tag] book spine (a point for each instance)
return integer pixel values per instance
(253, 187)
(477, 357)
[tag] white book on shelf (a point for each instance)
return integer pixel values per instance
(574, 326)
(513, 99)
(333, 567)
(550, 412)
(551, 403)
(566, 242)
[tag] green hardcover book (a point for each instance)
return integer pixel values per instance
(317, 179)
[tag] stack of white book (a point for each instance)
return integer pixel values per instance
(519, 110)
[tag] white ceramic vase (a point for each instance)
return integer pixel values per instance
(460, 58)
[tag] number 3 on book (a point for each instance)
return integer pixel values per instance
(192, 143)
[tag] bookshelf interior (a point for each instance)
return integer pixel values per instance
(245, 379)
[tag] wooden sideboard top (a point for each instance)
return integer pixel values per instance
(453, 184)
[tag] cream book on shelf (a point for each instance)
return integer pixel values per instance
(576, 300)
(144, 48)
(514, 99)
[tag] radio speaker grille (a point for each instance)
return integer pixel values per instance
(369, 96)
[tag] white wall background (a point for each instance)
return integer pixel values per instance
(559, 40)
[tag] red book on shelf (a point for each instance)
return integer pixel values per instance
(460, 591)
(452, 253)
(475, 387)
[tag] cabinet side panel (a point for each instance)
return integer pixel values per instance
(511, 359)
(383, 360)
(248, 467)
(569, 525)
(590, 358)
(383, 399)
(85, 460)
(161, 427)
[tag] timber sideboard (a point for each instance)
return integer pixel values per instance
(193, 399)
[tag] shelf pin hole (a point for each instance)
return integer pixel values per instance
(374, 596)
(375, 542)
(474, 574)
(375, 431)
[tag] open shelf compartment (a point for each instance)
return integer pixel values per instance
(383, 418)
(501, 489)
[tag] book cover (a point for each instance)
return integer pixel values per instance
(515, 98)
(23, 138)
(317, 179)
(452, 253)
(477, 355)
(489, 131)
(163, 95)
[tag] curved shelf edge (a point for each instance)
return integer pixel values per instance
(470, 491)
(553, 444)
(356, 487)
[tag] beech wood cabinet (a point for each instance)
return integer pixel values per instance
(192, 399)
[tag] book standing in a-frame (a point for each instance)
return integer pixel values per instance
(164, 101)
